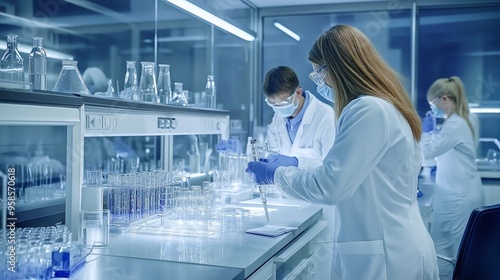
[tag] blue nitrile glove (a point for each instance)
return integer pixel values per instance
(281, 160)
(234, 146)
(428, 122)
(221, 146)
(262, 172)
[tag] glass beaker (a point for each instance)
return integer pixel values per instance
(11, 63)
(37, 66)
(130, 85)
(178, 97)
(70, 80)
(164, 85)
(147, 84)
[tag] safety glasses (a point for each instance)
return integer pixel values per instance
(435, 101)
(316, 76)
(289, 100)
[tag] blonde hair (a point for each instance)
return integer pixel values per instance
(357, 69)
(454, 89)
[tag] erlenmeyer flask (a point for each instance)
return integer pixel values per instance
(130, 85)
(178, 97)
(147, 84)
(70, 80)
(164, 86)
(11, 64)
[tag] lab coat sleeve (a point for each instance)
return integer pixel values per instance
(440, 142)
(361, 141)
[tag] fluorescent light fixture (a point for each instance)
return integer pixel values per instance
(485, 110)
(215, 20)
(27, 49)
(287, 31)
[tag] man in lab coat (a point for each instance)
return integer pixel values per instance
(302, 131)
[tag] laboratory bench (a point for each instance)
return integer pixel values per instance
(235, 256)
(491, 188)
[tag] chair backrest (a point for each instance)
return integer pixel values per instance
(479, 253)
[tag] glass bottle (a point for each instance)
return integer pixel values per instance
(67, 258)
(147, 85)
(130, 85)
(164, 85)
(210, 101)
(178, 97)
(37, 65)
(11, 63)
(70, 80)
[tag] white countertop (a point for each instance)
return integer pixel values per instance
(240, 251)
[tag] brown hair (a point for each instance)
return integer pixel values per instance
(280, 79)
(357, 69)
(453, 88)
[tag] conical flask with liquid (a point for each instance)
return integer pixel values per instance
(70, 80)
(147, 84)
(164, 84)
(178, 96)
(11, 63)
(130, 85)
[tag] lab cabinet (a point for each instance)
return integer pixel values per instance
(71, 134)
(40, 136)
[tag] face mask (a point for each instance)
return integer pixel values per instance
(438, 113)
(326, 92)
(285, 111)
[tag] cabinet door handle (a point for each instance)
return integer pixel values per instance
(300, 242)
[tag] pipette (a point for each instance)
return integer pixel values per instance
(262, 194)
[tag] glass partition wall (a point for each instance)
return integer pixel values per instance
(450, 38)
(102, 36)
(107, 34)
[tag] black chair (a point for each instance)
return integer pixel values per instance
(479, 252)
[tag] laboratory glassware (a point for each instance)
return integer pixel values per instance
(164, 84)
(210, 97)
(37, 65)
(70, 79)
(94, 231)
(11, 63)
(92, 191)
(262, 194)
(194, 159)
(178, 97)
(147, 84)
(130, 85)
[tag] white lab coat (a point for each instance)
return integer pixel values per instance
(458, 187)
(315, 134)
(475, 125)
(371, 175)
(315, 137)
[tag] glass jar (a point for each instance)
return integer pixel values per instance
(178, 97)
(147, 85)
(164, 84)
(11, 63)
(70, 80)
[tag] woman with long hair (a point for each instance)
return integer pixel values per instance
(371, 172)
(458, 188)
